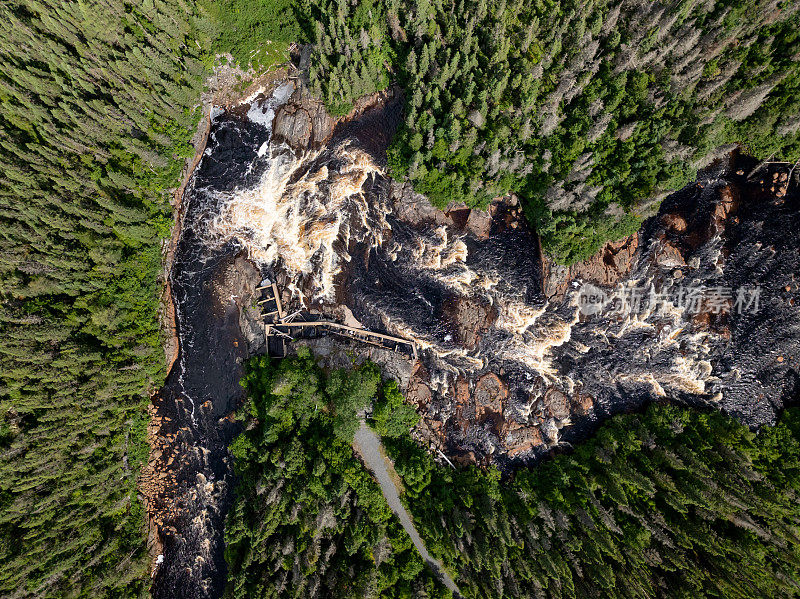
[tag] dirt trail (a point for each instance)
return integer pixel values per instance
(369, 448)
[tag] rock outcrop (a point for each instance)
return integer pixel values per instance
(470, 318)
(236, 284)
(606, 268)
(304, 123)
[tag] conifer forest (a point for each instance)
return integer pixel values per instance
(292, 299)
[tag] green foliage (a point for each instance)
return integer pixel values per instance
(308, 519)
(256, 33)
(95, 118)
(571, 237)
(589, 113)
(349, 393)
(391, 417)
(672, 502)
(353, 50)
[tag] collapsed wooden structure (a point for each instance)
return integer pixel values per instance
(278, 324)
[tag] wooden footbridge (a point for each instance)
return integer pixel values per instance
(281, 325)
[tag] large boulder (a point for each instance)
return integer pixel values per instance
(490, 394)
(469, 318)
(303, 122)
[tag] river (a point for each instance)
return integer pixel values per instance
(507, 373)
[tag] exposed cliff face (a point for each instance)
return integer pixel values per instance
(303, 123)
(516, 355)
(717, 324)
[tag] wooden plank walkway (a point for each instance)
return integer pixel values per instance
(275, 297)
(353, 332)
(276, 318)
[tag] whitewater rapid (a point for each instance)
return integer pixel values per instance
(310, 209)
(300, 215)
(336, 227)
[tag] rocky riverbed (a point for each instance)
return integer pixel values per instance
(517, 356)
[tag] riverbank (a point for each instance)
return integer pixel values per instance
(158, 480)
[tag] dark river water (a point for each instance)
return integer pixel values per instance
(329, 222)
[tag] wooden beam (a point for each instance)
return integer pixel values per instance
(367, 341)
(336, 325)
(360, 335)
(791, 172)
(445, 459)
(277, 300)
(759, 166)
(290, 316)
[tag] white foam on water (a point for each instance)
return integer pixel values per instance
(262, 112)
(282, 94)
(297, 212)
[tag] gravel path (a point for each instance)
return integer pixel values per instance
(368, 445)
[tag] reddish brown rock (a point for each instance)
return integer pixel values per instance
(479, 223)
(462, 391)
(674, 222)
(459, 216)
(776, 184)
(465, 408)
(605, 269)
(582, 404)
(465, 459)
(419, 392)
(669, 255)
(556, 403)
(523, 439)
(709, 320)
(489, 395)
(727, 204)
(469, 318)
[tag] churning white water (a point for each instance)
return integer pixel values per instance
(308, 206)
(325, 219)
(303, 204)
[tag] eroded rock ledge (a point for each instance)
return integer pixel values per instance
(714, 233)
(304, 124)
